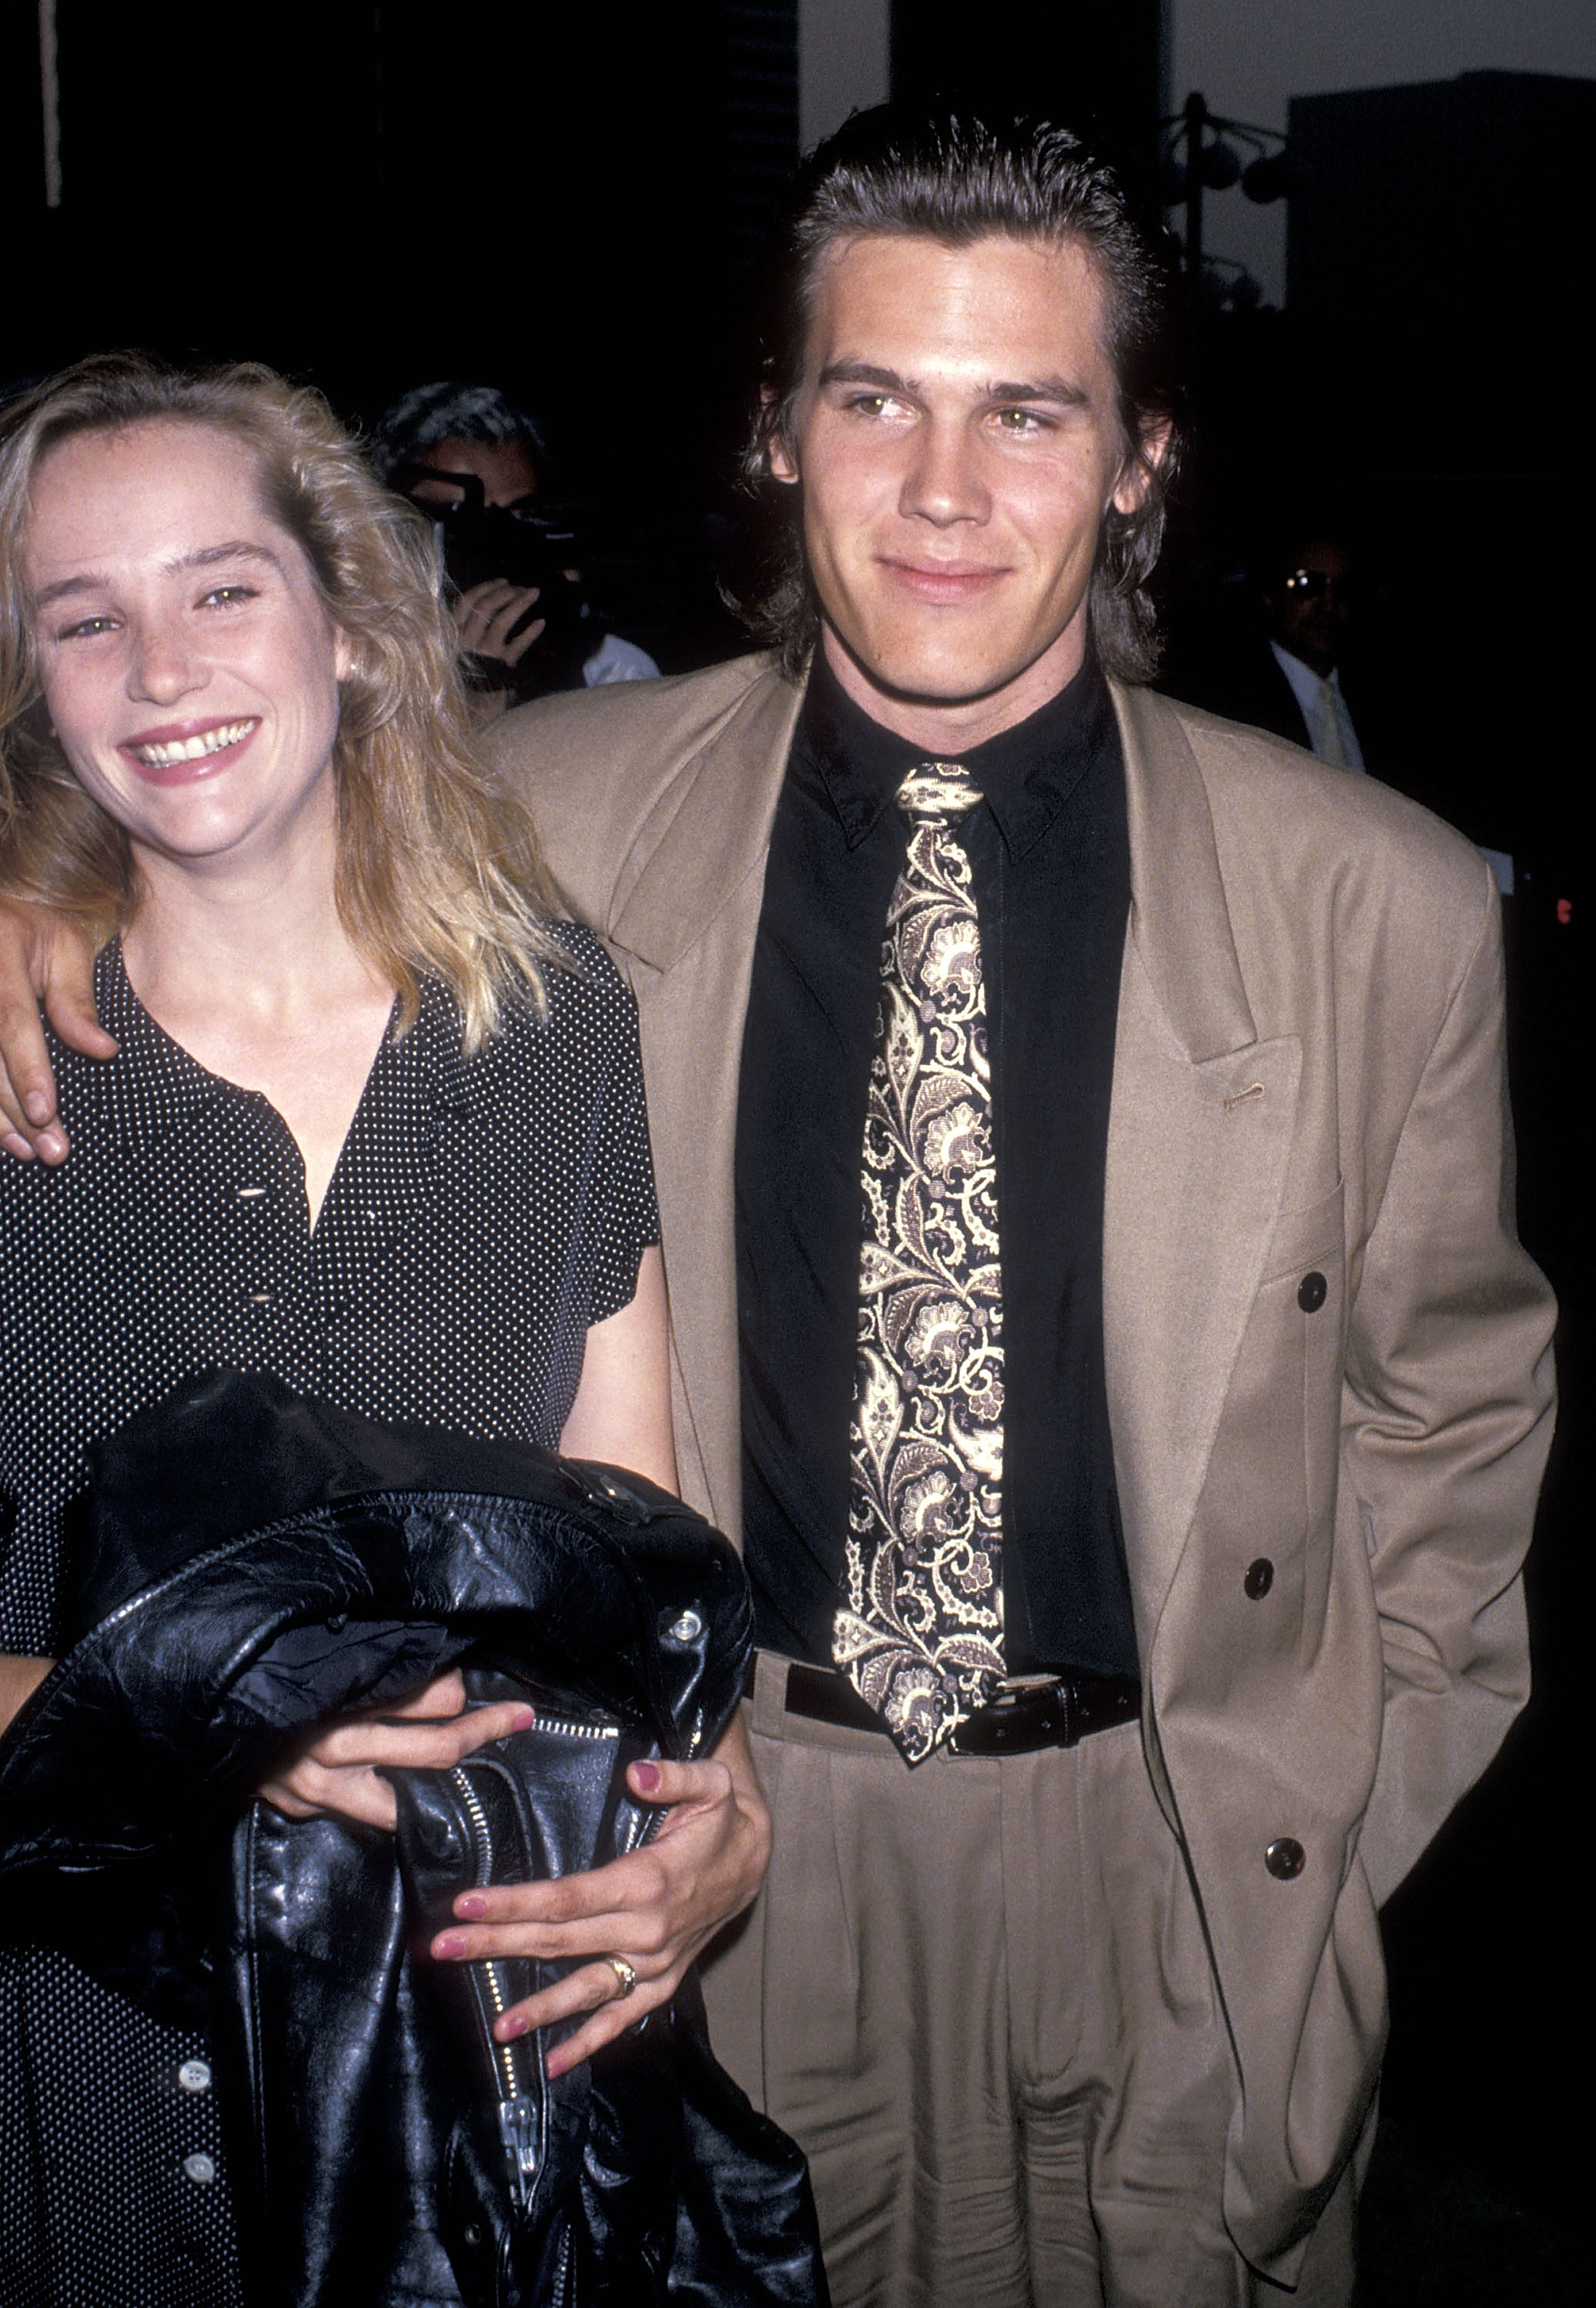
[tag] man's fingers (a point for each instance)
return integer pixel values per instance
(51, 1144)
(40, 955)
(26, 1085)
(69, 1000)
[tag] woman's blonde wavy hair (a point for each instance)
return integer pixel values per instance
(438, 869)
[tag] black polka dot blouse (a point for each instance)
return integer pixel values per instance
(483, 1212)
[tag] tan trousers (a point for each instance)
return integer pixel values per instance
(977, 1994)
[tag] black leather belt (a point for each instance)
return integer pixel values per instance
(1023, 1717)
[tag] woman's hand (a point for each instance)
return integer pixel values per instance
(336, 1769)
(652, 1911)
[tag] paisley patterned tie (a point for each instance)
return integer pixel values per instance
(920, 1634)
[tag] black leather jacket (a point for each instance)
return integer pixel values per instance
(391, 2156)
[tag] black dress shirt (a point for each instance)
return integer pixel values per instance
(1051, 866)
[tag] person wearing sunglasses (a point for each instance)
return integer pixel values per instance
(1311, 597)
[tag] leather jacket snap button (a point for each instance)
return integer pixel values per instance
(1257, 1579)
(685, 1629)
(1285, 1858)
(441, 1838)
(1312, 1292)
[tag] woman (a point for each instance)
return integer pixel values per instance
(374, 1126)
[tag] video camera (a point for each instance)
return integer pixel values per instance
(525, 545)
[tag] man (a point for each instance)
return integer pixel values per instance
(1134, 1499)
(1310, 599)
(1289, 677)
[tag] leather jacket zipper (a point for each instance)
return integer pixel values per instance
(519, 2129)
(569, 1729)
(490, 1971)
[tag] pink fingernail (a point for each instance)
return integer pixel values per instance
(470, 1904)
(507, 2031)
(647, 1776)
(450, 1943)
(524, 1720)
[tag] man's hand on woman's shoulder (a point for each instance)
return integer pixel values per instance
(42, 958)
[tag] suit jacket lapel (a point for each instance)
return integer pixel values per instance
(687, 930)
(718, 832)
(1199, 1134)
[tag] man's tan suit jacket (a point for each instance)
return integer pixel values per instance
(1308, 1081)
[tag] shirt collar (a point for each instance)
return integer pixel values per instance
(434, 1046)
(152, 1083)
(1025, 773)
(1306, 684)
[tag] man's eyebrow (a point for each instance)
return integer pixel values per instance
(1004, 390)
(856, 372)
(203, 556)
(1056, 389)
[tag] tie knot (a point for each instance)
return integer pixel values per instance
(934, 792)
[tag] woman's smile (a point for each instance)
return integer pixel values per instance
(173, 756)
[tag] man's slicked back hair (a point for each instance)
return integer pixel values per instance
(952, 177)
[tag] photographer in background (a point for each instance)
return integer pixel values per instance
(479, 466)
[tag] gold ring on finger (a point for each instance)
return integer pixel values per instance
(623, 1973)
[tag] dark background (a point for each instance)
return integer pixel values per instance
(570, 202)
